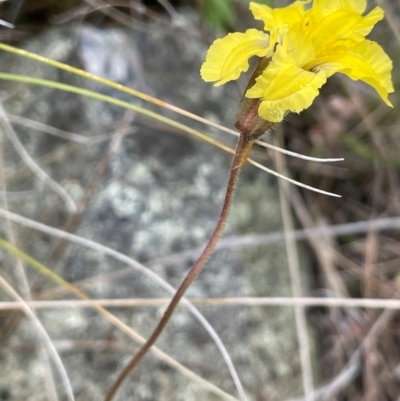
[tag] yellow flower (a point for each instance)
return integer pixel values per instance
(307, 44)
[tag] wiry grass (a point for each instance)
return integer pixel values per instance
(354, 243)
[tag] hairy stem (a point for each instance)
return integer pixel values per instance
(243, 148)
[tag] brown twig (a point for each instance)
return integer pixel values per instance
(251, 128)
(242, 150)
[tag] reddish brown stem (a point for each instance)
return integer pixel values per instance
(242, 150)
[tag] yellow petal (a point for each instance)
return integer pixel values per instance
(365, 26)
(366, 61)
(341, 25)
(275, 19)
(285, 86)
(326, 7)
(228, 57)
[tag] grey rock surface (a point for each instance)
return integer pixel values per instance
(161, 194)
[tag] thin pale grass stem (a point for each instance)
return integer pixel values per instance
(388, 223)
(15, 8)
(47, 340)
(20, 270)
(117, 102)
(7, 24)
(331, 302)
(243, 148)
(360, 227)
(41, 174)
(115, 321)
(390, 18)
(153, 276)
(168, 8)
(299, 184)
(117, 15)
(380, 144)
(353, 367)
(23, 282)
(224, 243)
(90, 187)
(341, 381)
(140, 8)
(370, 272)
(149, 99)
(52, 394)
(60, 153)
(323, 245)
(295, 281)
(80, 11)
(17, 194)
(379, 113)
(26, 122)
(109, 99)
(235, 242)
(107, 82)
(56, 155)
(297, 155)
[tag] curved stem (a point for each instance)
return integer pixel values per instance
(243, 148)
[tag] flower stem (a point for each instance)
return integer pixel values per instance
(243, 148)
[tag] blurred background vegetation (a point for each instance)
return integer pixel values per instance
(356, 252)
